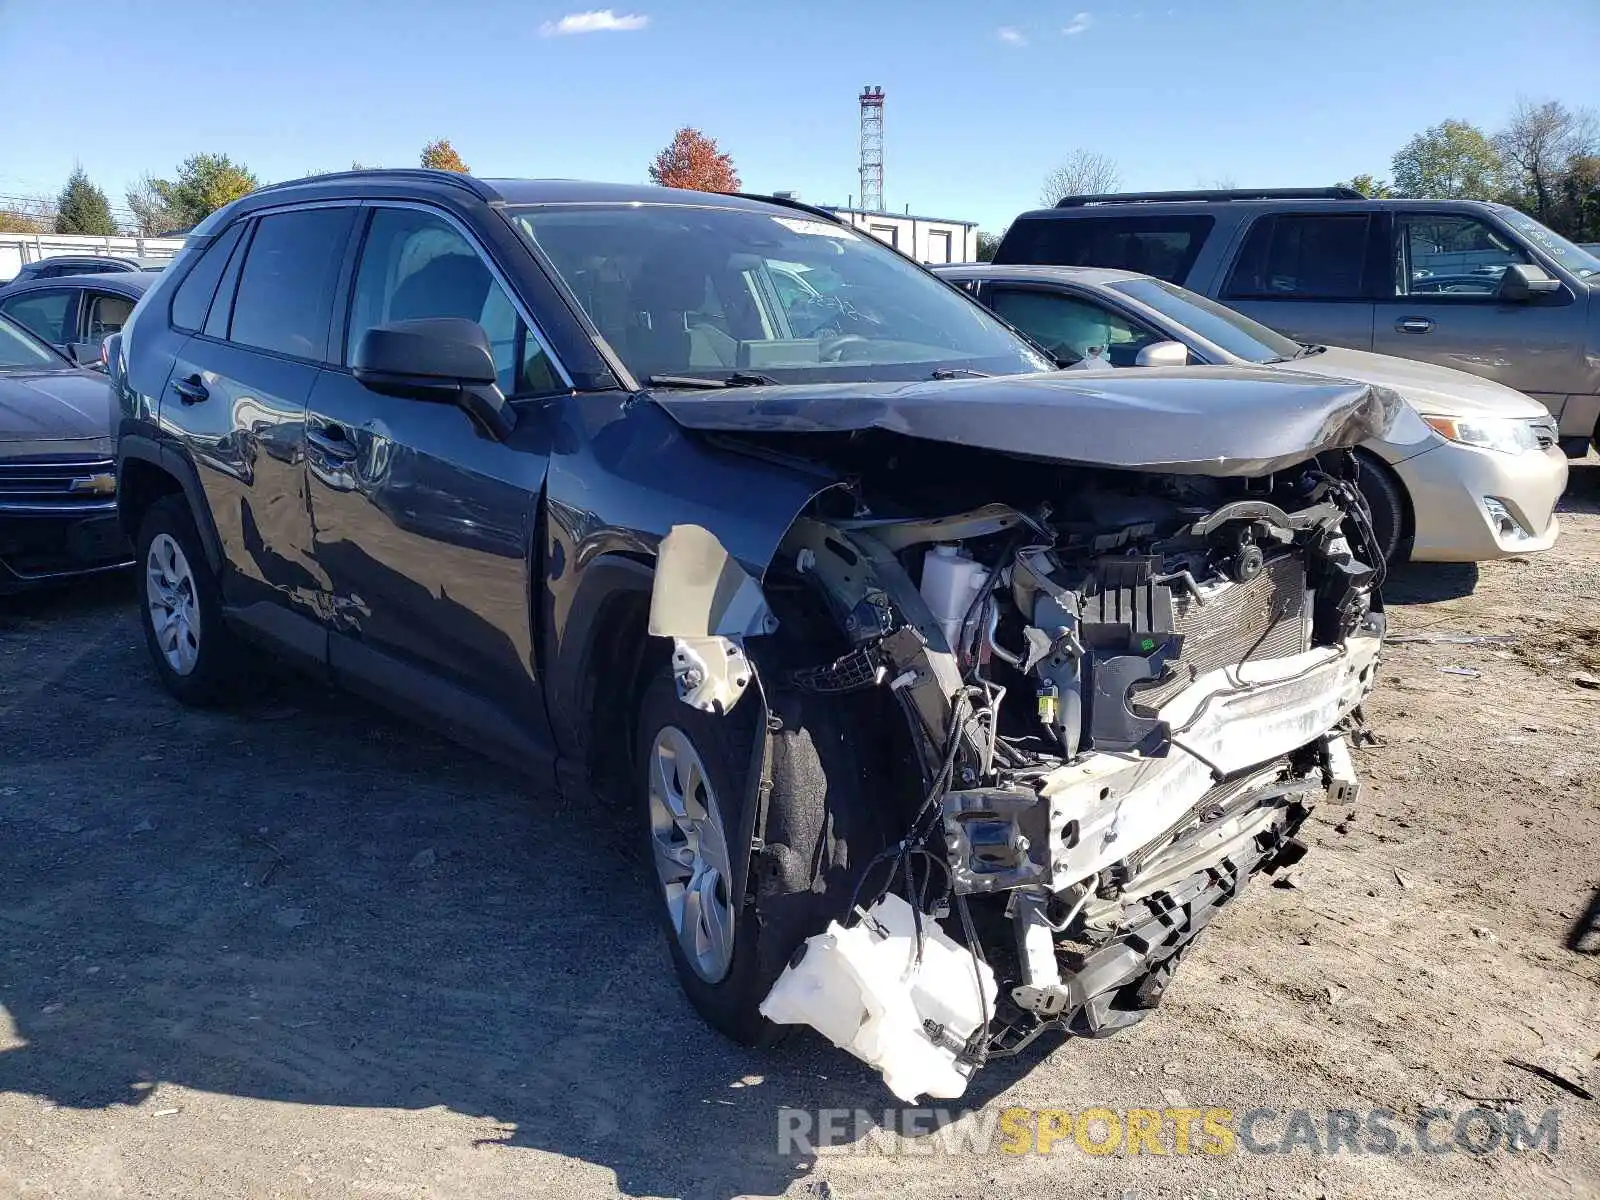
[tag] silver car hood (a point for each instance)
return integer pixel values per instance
(54, 406)
(1431, 388)
(1199, 421)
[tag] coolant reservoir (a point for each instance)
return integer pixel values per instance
(951, 580)
(862, 989)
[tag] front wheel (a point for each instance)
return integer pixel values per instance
(1386, 500)
(693, 770)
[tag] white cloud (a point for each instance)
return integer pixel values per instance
(1011, 35)
(1078, 24)
(600, 21)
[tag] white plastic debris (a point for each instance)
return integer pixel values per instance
(862, 989)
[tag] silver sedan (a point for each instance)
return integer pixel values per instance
(1474, 476)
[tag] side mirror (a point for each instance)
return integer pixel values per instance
(1523, 281)
(443, 360)
(1162, 354)
(86, 354)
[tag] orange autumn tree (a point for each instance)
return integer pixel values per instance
(692, 160)
(441, 156)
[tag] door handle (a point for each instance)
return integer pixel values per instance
(1413, 324)
(332, 441)
(190, 390)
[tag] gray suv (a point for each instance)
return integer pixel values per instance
(1476, 286)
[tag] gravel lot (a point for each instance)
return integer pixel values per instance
(307, 950)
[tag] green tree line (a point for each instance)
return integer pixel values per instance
(1545, 161)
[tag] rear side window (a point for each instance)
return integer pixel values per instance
(193, 297)
(1302, 257)
(285, 294)
(1163, 246)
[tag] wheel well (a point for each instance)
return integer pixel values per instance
(139, 485)
(1408, 520)
(624, 661)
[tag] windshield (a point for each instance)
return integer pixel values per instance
(1573, 257)
(743, 295)
(20, 349)
(1231, 331)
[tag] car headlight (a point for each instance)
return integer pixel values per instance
(1507, 435)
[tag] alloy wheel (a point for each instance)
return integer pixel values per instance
(691, 854)
(174, 607)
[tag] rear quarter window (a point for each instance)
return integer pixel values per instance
(1163, 246)
(192, 300)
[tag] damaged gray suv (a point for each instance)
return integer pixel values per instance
(955, 694)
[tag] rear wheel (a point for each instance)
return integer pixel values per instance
(194, 652)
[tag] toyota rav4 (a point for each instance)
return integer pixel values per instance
(955, 695)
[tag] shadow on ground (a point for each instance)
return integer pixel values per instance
(1583, 487)
(1423, 583)
(309, 902)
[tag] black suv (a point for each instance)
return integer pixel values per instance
(713, 502)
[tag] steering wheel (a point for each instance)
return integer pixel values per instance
(832, 351)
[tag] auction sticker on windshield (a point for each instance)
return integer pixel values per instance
(817, 228)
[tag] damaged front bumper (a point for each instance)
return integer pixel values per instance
(1186, 693)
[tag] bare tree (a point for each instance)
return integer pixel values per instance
(1085, 173)
(1222, 183)
(152, 214)
(1537, 144)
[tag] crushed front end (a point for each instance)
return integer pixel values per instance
(1124, 692)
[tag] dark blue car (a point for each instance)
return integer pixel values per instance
(76, 313)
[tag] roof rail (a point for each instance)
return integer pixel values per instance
(421, 174)
(798, 205)
(1324, 193)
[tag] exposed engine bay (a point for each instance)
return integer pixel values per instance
(1123, 692)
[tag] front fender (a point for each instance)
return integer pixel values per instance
(622, 474)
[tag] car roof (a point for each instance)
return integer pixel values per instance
(1111, 206)
(80, 258)
(1089, 276)
(498, 191)
(134, 282)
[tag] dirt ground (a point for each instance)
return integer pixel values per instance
(307, 950)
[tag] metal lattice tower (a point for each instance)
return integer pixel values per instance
(872, 148)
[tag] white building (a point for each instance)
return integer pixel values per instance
(932, 240)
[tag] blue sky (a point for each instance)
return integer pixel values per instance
(1178, 92)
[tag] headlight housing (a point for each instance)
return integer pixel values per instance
(1507, 435)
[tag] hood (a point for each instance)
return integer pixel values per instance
(54, 406)
(1199, 421)
(1430, 388)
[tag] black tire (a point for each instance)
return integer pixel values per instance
(217, 671)
(818, 836)
(1386, 498)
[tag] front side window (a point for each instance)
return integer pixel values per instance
(711, 291)
(1581, 262)
(1450, 255)
(1072, 328)
(1302, 257)
(285, 294)
(415, 265)
(1163, 246)
(1224, 327)
(19, 351)
(48, 314)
